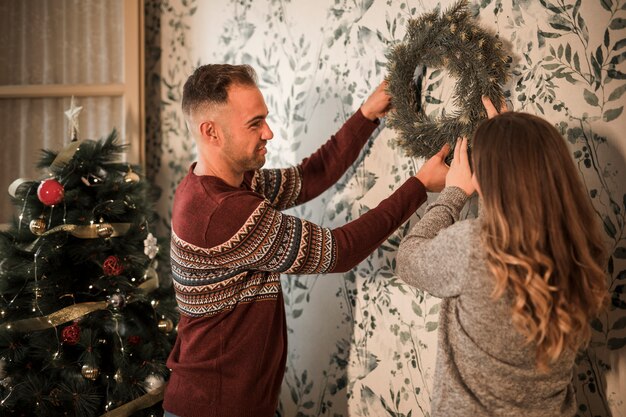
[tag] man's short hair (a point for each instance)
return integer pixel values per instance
(208, 84)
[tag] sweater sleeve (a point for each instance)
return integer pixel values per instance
(272, 241)
(285, 188)
(432, 256)
(325, 167)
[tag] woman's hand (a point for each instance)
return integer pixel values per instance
(460, 173)
(491, 109)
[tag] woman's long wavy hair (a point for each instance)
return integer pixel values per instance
(540, 232)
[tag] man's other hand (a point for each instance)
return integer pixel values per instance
(378, 104)
(433, 173)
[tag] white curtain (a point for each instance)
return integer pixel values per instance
(55, 42)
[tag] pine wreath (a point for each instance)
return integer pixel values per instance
(454, 41)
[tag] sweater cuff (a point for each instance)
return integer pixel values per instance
(453, 197)
(421, 195)
(362, 125)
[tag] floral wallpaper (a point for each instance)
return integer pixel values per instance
(364, 343)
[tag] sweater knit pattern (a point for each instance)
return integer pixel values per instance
(229, 245)
(280, 186)
(212, 280)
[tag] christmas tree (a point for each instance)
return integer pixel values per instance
(85, 328)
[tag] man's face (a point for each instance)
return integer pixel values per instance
(244, 128)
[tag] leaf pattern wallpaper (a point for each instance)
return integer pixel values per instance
(364, 343)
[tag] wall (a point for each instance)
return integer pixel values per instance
(363, 344)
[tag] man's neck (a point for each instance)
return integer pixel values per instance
(231, 178)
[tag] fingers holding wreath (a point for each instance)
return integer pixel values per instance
(460, 174)
(433, 43)
(491, 109)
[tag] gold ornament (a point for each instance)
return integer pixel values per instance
(117, 301)
(54, 396)
(118, 376)
(152, 383)
(151, 275)
(90, 372)
(37, 226)
(104, 230)
(166, 325)
(131, 176)
(6, 382)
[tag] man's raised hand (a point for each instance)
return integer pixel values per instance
(378, 103)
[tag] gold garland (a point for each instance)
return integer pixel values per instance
(89, 231)
(54, 319)
(152, 280)
(145, 401)
(70, 313)
(67, 154)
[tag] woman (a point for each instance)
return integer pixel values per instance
(519, 283)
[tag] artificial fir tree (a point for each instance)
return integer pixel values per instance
(85, 329)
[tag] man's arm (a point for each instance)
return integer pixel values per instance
(315, 174)
(326, 166)
(254, 235)
(257, 236)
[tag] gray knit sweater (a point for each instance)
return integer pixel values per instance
(484, 367)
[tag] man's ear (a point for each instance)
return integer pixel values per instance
(208, 131)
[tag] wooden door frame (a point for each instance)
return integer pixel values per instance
(131, 90)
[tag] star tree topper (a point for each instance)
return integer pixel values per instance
(72, 117)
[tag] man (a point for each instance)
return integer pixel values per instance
(230, 242)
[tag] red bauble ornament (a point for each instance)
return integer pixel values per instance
(71, 334)
(112, 266)
(50, 192)
(134, 340)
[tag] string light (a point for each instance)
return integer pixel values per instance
(21, 216)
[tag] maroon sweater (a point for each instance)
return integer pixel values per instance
(229, 246)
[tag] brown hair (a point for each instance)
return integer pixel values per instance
(208, 85)
(541, 234)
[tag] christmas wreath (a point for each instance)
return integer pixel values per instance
(454, 41)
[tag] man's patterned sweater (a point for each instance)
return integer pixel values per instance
(229, 246)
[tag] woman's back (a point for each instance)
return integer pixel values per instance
(520, 283)
(484, 365)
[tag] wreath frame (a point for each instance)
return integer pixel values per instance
(454, 41)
